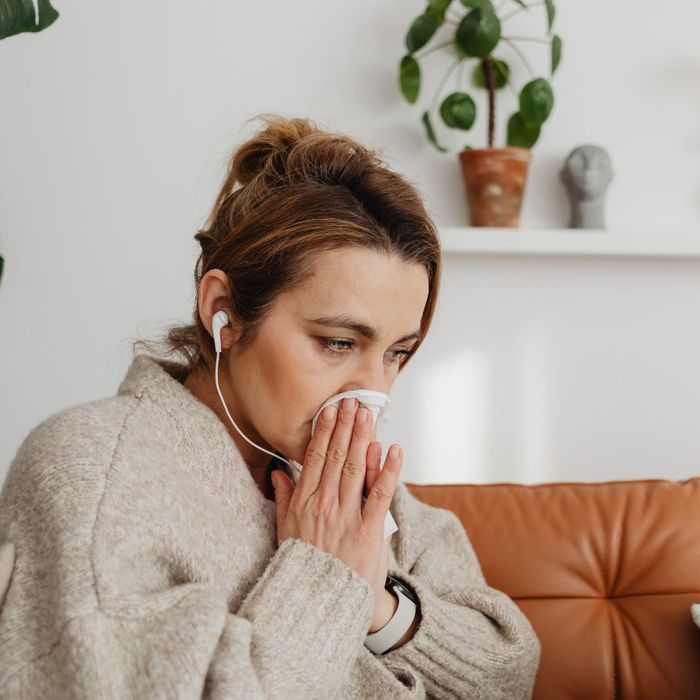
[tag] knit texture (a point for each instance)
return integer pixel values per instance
(146, 566)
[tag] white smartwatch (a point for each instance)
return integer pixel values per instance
(378, 642)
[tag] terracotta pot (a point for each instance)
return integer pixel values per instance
(494, 180)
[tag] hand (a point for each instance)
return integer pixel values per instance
(385, 603)
(325, 508)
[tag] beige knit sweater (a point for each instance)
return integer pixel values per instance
(147, 567)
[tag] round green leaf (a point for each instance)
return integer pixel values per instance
(520, 133)
(501, 73)
(556, 52)
(458, 111)
(409, 78)
(536, 102)
(479, 32)
(431, 133)
(421, 31)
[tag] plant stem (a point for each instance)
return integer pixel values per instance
(513, 90)
(442, 83)
(519, 10)
(454, 19)
(508, 83)
(521, 56)
(527, 38)
(435, 48)
(487, 67)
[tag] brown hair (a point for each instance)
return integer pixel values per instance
(302, 190)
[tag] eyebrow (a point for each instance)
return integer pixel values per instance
(348, 322)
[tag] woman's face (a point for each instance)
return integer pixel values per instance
(301, 356)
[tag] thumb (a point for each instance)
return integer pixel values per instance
(283, 492)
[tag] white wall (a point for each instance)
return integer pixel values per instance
(115, 126)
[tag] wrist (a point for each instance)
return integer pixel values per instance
(402, 625)
(387, 608)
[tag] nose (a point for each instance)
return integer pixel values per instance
(370, 374)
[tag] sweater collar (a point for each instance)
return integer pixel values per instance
(198, 432)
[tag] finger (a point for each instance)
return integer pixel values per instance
(380, 496)
(316, 451)
(337, 452)
(352, 479)
(283, 492)
(374, 458)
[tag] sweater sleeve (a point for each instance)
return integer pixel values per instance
(473, 640)
(297, 634)
(127, 629)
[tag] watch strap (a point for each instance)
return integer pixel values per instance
(378, 642)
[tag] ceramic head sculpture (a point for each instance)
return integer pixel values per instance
(586, 174)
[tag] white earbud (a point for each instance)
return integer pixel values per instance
(218, 321)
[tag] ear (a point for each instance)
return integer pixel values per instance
(213, 295)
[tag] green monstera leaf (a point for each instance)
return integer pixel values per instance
(18, 16)
(536, 102)
(409, 78)
(501, 73)
(458, 111)
(520, 133)
(479, 32)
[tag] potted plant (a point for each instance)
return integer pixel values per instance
(18, 16)
(494, 178)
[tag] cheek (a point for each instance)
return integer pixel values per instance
(300, 381)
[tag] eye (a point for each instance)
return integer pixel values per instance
(331, 344)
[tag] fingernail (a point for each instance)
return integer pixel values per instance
(394, 451)
(348, 404)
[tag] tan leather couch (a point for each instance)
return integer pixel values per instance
(605, 572)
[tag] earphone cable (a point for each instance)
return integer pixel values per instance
(216, 378)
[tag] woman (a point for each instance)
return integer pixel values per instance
(155, 558)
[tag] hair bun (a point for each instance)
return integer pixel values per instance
(266, 152)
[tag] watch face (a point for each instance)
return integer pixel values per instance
(392, 582)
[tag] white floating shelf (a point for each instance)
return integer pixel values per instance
(579, 242)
